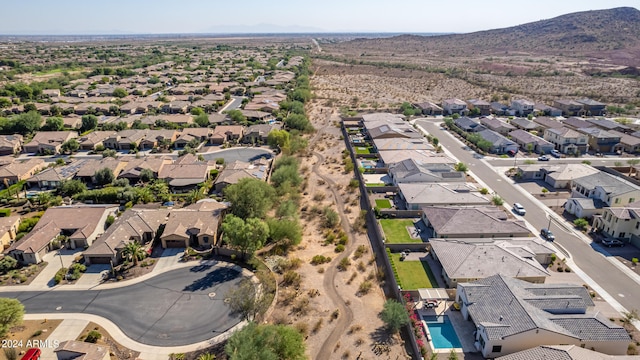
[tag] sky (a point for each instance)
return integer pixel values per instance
(46, 17)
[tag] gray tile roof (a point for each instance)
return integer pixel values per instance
(598, 133)
(563, 352)
(607, 124)
(410, 170)
(527, 137)
(524, 123)
(613, 185)
(442, 194)
(504, 306)
(472, 221)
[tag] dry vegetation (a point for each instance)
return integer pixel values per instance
(29, 331)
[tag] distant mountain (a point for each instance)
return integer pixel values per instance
(261, 29)
(602, 32)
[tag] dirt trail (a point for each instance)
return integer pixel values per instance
(346, 315)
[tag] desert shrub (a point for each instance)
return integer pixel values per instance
(291, 278)
(365, 287)
(344, 264)
(339, 248)
(301, 307)
(317, 326)
(320, 259)
(361, 250)
(93, 337)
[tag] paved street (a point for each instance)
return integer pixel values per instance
(179, 307)
(620, 286)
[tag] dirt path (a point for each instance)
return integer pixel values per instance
(346, 315)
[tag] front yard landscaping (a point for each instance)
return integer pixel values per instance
(412, 275)
(383, 204)
(395, 231)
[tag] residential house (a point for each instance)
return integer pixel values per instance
(388, 157)
(483, 107)
(10, 144)
(418, 195)
(80, 224)
(402, 144)
(531, 143)
(547, 123)
(87, 170)
(454, 106)
(94, 139)
(468, 125)
(184, 177)
(576, 123)
(564, 352)
(525, 124)
(51, 93)
(566, 140)
(620, 222)
(600, 190)
(176, 107)
(559, 176)
(134, 167)
(226, 133)
(20, 170)
(8, 230)
(237, 170)
(74, 350)
(385, 131)
(154, 138)
(177, 119)
(499, 143)
(522, 107)
(125, 139)
(610, 125)
(471, 222)
(52, 177)
(602, 141)
(569, 107)
(194, 226)
(48, 142)
(202, 134)
(134, 225)
(592, 107)
(73, 122)
(501, 109)
(412, 171)
(497, 125)
(257, 134)
(377, 119)
(546, 110)
(629, 144)
(512, 315)
(428, 108)
(470, 261)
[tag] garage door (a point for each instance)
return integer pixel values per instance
(99, 259)
(174, 243)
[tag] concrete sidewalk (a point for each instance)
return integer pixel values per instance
(69, 329)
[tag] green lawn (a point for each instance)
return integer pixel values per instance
(413, 275)
(362, 150)
(374, 184)
(383, 204)
(395, 231)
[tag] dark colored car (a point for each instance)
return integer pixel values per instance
(612, 242)
(547, 235)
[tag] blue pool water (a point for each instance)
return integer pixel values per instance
(443, 335)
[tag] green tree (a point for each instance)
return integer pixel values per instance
(269, 342)
(286, 232)
(581, 223)
(246, 300)
(104, 176)
(89, 122)
(70, 146)
(301, 95)
(394, 315)
(26, 123)
(7, 263)
(246, 236)
(120, 93)
(250, 198)
(109, 153)
(146, 175)
(279, 138)
(71, 187)
(4, 102)
(133, 252)
(461, 167)
(53, 124)
(11, 314)
(237, 117)
(298, 122)
(197, 111)
(202, 120)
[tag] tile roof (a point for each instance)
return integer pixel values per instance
(442, 194)
(476, 220)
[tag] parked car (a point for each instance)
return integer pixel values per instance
(612, 242)
(519, 209)
(544, 158)
(555, 153)
(547, 235)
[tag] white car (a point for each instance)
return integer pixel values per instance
(519, 209)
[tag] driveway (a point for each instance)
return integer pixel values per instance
(179, 307)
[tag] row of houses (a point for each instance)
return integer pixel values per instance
(519, 107)
(542, 135)
(50, 142)
(492, 260)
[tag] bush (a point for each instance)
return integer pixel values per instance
(339, 248)
(5, 212)
(60, 275)
(291, 278)
(361, 250)
(320, 259)
(365, 287)
(344, 264)
(581, 223)
(93, 337)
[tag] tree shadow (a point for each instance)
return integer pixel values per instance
(382, 335)
(215, 277)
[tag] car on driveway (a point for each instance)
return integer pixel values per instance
(555, 153)
(612, 242)
(519, 209)
(547, 235)
(544, 158)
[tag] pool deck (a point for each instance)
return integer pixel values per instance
(464, 329)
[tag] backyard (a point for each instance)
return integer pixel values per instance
(360, 150)
(412, 275)
(396, 232)
(383, 204)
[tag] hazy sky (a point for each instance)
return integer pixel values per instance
(196, 16)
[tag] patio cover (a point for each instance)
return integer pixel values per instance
(433, 294)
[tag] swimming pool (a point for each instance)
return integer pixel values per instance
(443, 335)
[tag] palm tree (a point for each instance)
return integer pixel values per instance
(133, 252)
(207, 356)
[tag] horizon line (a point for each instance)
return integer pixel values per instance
(235, 33)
